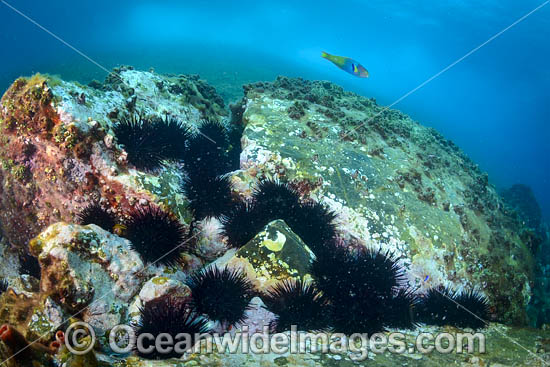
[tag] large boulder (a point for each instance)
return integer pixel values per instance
(393, 182)
(58, 153)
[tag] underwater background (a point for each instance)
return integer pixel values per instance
(495, 104)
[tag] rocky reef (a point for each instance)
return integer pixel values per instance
(393, 183)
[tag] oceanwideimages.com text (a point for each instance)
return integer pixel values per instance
(123, 339)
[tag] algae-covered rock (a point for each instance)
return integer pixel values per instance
(522, 199)
(37, 316)
(87, 268)
(394, 184)
(58, 153)
(28, 322)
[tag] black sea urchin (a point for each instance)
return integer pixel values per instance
(216, 132)
(314, 224)
(401, 308)
(96, 214)
(222, 295)
(341, 274)
(171, 315)
(472, 303)
(206, 155)
(296, 302)
(443, 306)
(156, 235)
(437, 307)
(359, 286)
(276, 200)
(377, 271)
(242, 223)
(150, 141)
(208, 196)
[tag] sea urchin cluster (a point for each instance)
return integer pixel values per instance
(272, 200)
(353, 291)
(150, 142)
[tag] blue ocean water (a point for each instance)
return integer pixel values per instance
(495, 104)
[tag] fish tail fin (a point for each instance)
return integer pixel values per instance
(324, 55)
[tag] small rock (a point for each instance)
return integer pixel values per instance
(274, 254)
(159, 286)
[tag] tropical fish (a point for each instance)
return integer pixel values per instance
(347, 64)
